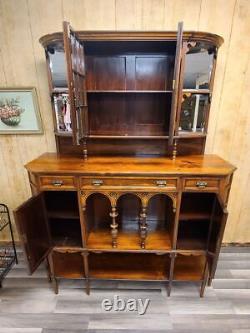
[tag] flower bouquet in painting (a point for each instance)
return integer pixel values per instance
(10, 111)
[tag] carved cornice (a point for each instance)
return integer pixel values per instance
(57, 37)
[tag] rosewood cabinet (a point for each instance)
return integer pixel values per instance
(129, 194)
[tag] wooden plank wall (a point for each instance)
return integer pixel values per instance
(22, 63)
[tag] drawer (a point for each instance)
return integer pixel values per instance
(57, 183)
(201, 184)
(111, 182)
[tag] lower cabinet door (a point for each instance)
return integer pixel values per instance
(32, 226)
(219, 220)
(67, 264)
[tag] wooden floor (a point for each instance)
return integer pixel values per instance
(28, 304)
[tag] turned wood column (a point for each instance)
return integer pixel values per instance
(114, 226)
(143, 226)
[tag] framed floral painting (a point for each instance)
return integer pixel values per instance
(19, 111)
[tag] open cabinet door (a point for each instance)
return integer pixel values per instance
(176, 79)
(219, 219)
(74, 53)
(32, 226)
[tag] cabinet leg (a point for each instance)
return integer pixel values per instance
(48, 271)
(114, 227)
(55, 285)
(204, 281)
(171, 273)
(86, 272)
(87, 282)
(209, 283)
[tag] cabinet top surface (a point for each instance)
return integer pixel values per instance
(120, 165)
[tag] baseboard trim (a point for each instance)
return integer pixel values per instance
(236, 244)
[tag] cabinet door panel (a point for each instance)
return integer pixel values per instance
(33, 230)
(110, 73)
(74, 52)
(151, 73)
(219, 220)
(176, 80)
(218, 226)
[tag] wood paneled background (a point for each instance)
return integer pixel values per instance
(22, 63)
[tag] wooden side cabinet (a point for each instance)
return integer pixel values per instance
(99, 220)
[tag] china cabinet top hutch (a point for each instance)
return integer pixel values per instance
(129, 193)
(132, 92)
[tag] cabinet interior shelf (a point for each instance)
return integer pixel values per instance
(191, 135)
(63, 214)
(185, 216)
(196, 91)
(130, 91)
(67, 241)
(155, 241)
(182, 135)
(154, 137)
(193, 244)
(65, 91)
(189, 268)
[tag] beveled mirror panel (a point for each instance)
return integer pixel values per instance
(198, 66)
(193, 113)
(57, 65)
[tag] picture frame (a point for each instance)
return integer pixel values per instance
(19, 111)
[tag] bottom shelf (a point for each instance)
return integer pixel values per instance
(189, 267)
(68, 265)
(129, 266)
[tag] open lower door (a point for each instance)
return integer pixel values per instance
(74, 53)
(176, 81)
(33, 230)
(219, 219)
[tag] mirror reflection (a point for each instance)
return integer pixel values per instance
(58, 68)
(193, 112)
(198, 67)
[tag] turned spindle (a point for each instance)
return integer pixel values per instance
(114, 226)
(143, 227)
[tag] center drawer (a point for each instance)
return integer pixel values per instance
(128, 182)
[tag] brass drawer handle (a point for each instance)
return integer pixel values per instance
(97, 182)
(161, 183)
(201, 184)
(57, 182)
